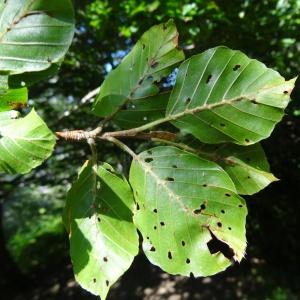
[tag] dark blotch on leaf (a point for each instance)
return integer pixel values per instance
(183, 243)
(215, 245)
(155, 227)
(202, 206)
(148, 159)
(188, 260)
(219, 224)
(143, 46)
(94, 280)
(162, 223)
(107, 283)
(236, 67)
(174, 166)
(204, 185)
(152, 249)
(222, 125)
(229, 228)
(223, 211)
(187, 101)
(208, 78)
(155, 210)
(285, 92)
(105, 259)
(240, 205)
(197, 211)
(227, 195)
(99, 220)
(169, 255)
(170, 179)
(247, 140)
(149, 152)
(137, 207)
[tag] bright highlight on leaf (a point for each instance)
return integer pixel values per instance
(98, 218)
(189, 214)
(24, 143)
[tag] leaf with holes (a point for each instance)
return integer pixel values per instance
(188, 212)
(24, 143)
(142, 111)
(221, 95)
(152, 58)
(34, 34)
(247, 166)
(98, 217)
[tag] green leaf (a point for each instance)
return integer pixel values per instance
(142, 111)
(24, 143)
(34, 34)
(153, 57)
(188, 210)
(223, 96)
(247, 166)
(98, 217)
(13, 98)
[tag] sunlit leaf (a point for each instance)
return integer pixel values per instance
(153, 57)
(34, 34)
(223, 96)
(24, 143)
(188, 212)
(98, 217)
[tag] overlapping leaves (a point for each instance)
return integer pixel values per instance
(152, 58)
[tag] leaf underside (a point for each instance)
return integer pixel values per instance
(34, 34)
(98, 217)
(185, 204)
(24, 143)
(221, 95)
(152, 58)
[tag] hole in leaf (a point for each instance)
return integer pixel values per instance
(105, 259)
(253, 101)
(236, 67)
(219, 224)
(148, 238)
(222, 125)
(170, 255)
(162, 223)
(248, 177)
(183, 243)
(192, 275)
(247, 140)
(202, 206)
(227, 195)
(240, 205)
(229, 228)
(148, 159)
(188, 260)
(107, 282)
(137, 207)
(285, 92)
(99, 220)
(215, 245)
(174, 166)
(208, 78)
(155, 210)
(154, 64)
(94, 280)
(188, 101)
(149, 152)
(223, 211)
(152, 249)
(204, 185)
(155, 227)
(197, 211)
(170, 179)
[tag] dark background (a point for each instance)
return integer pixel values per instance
(33, 244)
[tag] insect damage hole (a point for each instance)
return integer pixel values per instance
(208, 78)
(170, 255)
(187, 101)
(162, 223)
(148, 159)
(107, 282)
(94, 280)
(183, 243)
(171, 179)
(236, 67)
(215, 245)
(188, 261)
(152, 249)
(105, 259)
(285, 92)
